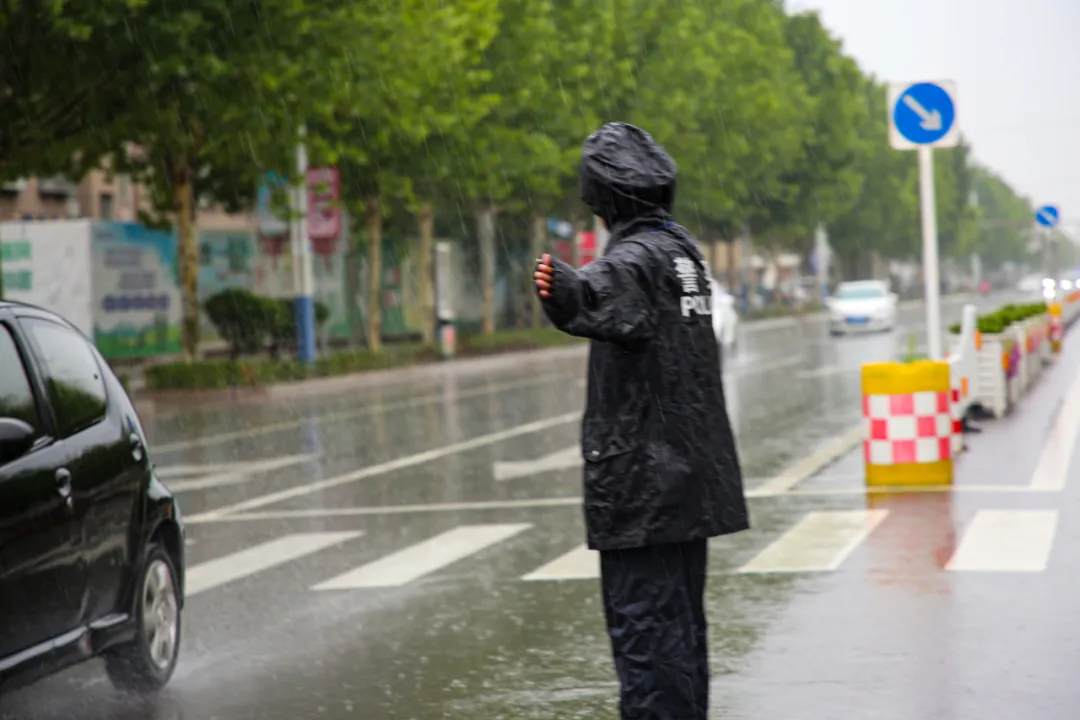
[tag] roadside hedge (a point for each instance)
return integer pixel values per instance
(250, 324)
(996, 322)
(260, 371)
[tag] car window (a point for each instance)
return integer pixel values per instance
(72, 375)
(16, 398)
(859, 292)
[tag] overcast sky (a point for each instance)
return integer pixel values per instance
(1016, 64)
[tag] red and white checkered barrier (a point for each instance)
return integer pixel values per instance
(910, 412)
(910, 428)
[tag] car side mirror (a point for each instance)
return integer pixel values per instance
(16, 439)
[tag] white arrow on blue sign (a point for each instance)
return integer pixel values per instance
(923, 115)
(1047, 216)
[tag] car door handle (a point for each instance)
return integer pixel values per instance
(137, 450)
(63, 485)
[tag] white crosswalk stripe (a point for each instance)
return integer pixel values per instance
(820, 542)
(996, 541)
(1006, 541)
(581, 563)
(423, 558)
(264, 556)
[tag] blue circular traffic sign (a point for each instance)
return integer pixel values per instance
(924, 113)
(1047, 216)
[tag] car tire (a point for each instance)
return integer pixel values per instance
(146, 663)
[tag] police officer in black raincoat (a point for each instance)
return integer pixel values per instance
(661, 470)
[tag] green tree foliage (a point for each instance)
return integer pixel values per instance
(1004, 220)
(824, 178)
(476, 109)
(221, 88)
(732, 140)
(56, 105)
(883, 216)
(412, 83)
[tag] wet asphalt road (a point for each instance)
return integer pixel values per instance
(313, 595)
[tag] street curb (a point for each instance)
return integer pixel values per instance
(155, 401)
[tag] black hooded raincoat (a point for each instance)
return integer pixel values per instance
(660, 459)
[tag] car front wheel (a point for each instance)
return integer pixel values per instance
(147, 662)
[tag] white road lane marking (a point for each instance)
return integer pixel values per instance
(564, 459)
(416, 561)
(523, 504)
(252, 560)
(574, 501)
(383, 468)
(240, 473)
(581, 563)
(1006, 541)
(821, 372)
(811, 464)
(820, 542)
(352, 413)
(1052, 471)
(909, 490)
(737, 370)
(167, 472)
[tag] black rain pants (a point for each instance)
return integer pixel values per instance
(654, 608)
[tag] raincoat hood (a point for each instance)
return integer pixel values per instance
(627, 176)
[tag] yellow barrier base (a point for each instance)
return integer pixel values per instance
(910, 474)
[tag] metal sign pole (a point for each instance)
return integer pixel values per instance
(922, 116)
(303, 274)
(1047, 218)
(931, 276)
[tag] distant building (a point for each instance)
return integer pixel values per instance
(97, 197)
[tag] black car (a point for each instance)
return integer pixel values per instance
(91, 542)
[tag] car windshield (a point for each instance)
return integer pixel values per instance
(859, 292)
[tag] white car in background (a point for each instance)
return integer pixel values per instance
(725, 320)
(1030, 285)
(863, 306)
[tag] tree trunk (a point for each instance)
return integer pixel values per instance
(426, 220)
(373, 237)
(485, 229)
(732, 270)
(537, 239)
(353, 282)
(189, 262)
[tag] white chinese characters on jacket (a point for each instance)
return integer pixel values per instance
(692, 300)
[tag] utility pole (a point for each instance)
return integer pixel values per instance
(303, 272)
(931, 281)
(821, 260)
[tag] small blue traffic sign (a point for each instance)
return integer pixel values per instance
(1047, 216)
(924, 113)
